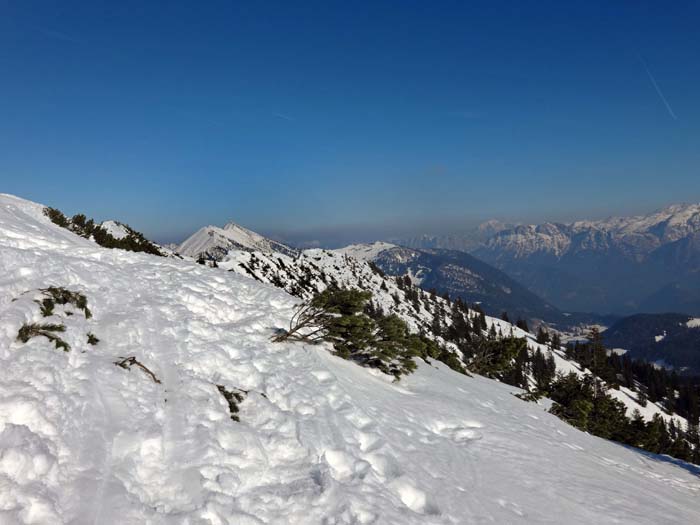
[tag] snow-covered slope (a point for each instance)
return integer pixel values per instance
(214, 243)
(320, 440)
(314, 270)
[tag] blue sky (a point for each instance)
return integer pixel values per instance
(374, 118)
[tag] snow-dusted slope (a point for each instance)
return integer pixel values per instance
(214, 243)
(320, 440)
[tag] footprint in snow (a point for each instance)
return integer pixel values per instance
(322, 376)
(459, 432)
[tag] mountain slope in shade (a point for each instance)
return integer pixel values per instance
(460, 275)
(213, 242)
(320, 440)
(673, 339)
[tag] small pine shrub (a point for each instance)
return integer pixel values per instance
(47, 305)
(92, 339)
(359, 332)
(58, 295)
(57, 217)
(30, 330)
(233, 399)
(79, 224)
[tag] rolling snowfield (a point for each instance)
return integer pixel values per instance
(320, 440)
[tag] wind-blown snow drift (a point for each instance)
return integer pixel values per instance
(321, 440)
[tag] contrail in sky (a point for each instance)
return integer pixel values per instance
(658, 89)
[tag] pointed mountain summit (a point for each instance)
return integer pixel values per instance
(213, 242)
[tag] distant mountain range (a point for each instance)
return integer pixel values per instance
(620, 265)
(466, 242)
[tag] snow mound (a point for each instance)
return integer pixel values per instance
(693, 323)
(320, 440)
(115, 229)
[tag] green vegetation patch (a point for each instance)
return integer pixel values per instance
(30, 330)
(58, 295)
(134, 241)
(233, 399)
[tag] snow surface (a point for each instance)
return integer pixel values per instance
(321, 440)
(366, 252)
(115, 229)
(693, 323)
(618, 351)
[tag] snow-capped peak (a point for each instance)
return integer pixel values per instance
(215, 242)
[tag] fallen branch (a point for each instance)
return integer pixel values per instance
(127, 362)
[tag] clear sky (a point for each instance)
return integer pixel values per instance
(349, 116)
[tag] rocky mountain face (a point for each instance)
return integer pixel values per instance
(619, 265)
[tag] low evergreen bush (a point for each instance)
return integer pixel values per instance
(339, 316)
(134, 241)
(30, 330)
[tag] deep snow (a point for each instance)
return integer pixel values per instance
(321, 440)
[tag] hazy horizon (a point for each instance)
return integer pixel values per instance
(344, 234)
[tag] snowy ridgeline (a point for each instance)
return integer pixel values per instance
(320, 439)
